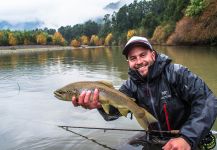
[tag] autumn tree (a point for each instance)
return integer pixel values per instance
(108, 39)
(94, 40)
(130, 34)
(58, 39)
(41, 39)
(75, 43)
(1, 38)
(84, 40)
(12, 39)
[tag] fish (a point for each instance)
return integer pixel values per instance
(108, 95)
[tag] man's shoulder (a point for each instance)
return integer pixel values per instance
(175, 68)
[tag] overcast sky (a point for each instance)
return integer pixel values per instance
(54, 13)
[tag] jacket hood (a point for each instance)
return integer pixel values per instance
(155, 70)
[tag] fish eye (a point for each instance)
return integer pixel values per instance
(60, 92)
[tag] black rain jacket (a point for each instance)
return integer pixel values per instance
(191, 105)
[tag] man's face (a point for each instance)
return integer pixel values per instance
(140, 58)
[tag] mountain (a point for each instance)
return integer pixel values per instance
(113, 6)
(117, 5)
(21, 25)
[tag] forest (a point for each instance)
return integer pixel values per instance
(170, 22)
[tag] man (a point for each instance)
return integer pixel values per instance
(179, 99)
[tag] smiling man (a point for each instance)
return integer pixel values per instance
(179, 99)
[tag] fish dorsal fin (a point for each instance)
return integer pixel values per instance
(106, 83)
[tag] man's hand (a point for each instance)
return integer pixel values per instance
(177, 144)
(85, 101)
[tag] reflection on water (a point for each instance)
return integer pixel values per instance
(30, 114)
(201, 60)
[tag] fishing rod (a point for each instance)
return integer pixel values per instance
(90, 139)
(134, 130)
(121, 129)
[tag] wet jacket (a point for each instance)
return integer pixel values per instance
(191, 106)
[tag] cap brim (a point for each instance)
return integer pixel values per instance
(133, 44)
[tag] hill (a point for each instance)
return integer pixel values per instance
(200, 30)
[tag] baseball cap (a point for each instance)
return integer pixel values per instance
(136, 41)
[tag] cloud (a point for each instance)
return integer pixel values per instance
(54, 13)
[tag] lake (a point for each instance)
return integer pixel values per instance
(30, 114)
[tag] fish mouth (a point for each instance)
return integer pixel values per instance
(58, 95)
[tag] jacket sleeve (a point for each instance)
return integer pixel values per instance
(113, 112)
(202, 101)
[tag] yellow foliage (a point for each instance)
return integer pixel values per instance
(84, 40)
(75, 43)
(58, 39)
(12, 39)
(130, 34)
(1, 35)
(161, 33)
(41, 39)
(108, 39)
(94, 40)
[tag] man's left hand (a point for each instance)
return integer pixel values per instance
(177, 144)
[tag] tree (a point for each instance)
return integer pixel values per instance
(195, 8)
(77, 30)
(28, 38)
(84, 40)
(49, 31)
(66, 32)
(1, 38)
(58, 39)
(106, 27)
(4, 38)
(90, 28)
(108, 39)
(120, 20)
(94, 40)
(130, 34)
(75, 43)
(41, 38)
(12, 39)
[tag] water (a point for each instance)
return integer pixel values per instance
(30, 114)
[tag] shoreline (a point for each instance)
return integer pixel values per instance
(37, 48)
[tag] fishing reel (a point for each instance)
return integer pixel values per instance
(208, 143)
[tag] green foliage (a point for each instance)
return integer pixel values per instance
(195, 8)
(106, 27)
(90, 28)
(4, 37)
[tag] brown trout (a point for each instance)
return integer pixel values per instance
(108, 95)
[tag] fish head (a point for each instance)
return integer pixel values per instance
(66, 94)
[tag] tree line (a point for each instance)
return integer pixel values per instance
(155, 19)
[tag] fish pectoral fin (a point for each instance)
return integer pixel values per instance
(106, 108)
(106, 83)
(123, 111)
(144, 118)
(150, 118)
